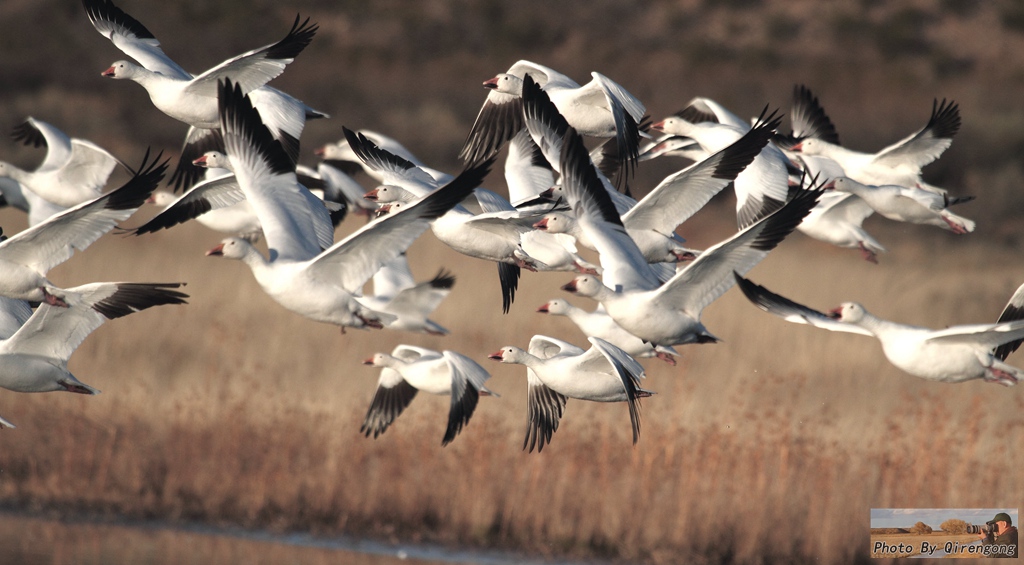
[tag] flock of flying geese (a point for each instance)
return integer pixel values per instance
(239, 165)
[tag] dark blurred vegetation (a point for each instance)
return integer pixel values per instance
(413, 69)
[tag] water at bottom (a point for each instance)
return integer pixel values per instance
(30, 540)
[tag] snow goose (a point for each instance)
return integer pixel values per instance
(557, 370)
(192, 99)
(35, 357)
(220, 204)
(906, 204)
(668, 314)
(26, 257)
(600, 108)
(901, 162)
(761, 187)
(74, 170)
(395, 292)
(838, 219)
(408, 370)
(491, 236)
(318, 285)
(599, 324)
(954, 354)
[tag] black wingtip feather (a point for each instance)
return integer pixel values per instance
(297, 39)
(134, 297)
(134, 193)
(742, 152)
(579, 174)
(368, 151)
(808, 112)
(945, 119)
(461, 411)
(106, 11)
(783, 221)
(444, 279)
(386, 406)
(27, 134)
(508, 276)
(238, 117)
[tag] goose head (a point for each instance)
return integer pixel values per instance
(849, 312)
(556, 307)
(231, 248)
(584, 285)
(121, 70)
(508, 354)
(505, 84)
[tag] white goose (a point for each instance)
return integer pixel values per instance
(599, 324)
(220, 204)
(668, 314)
(319, 285)
(26, 257)
(761, 187)
(600, 108)
(557, 370)
(901, 162)
(35, 347)
(652, 222)
(74, 170)
(193, 99)
(395, 292)
(408, 370)
(954, 354)
(905, 204)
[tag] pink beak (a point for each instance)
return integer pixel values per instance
(798, 147)
(542, 224)
(497, 356)
(368, 361)
(658, 126)
(371, 195)
(109, 72)
(319, 152)
(199, 161)
(216, 251)
(570, 286)
(491, 83)
(543, 309)
(835, 313)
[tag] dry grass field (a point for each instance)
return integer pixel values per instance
(761, 448)
(769, 447)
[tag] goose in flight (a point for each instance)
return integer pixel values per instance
(74, 170)
(320, 285)
(408, 370)
(599, 324)
(901, 162)
(954, 354)
(36, 346)
(26, 257)
(907, 204)
(557, 370)
(395, 292)
(600, 108)
(662, 314)
(193, 99)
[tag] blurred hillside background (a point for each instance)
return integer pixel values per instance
(413, 69)
(769, 447)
